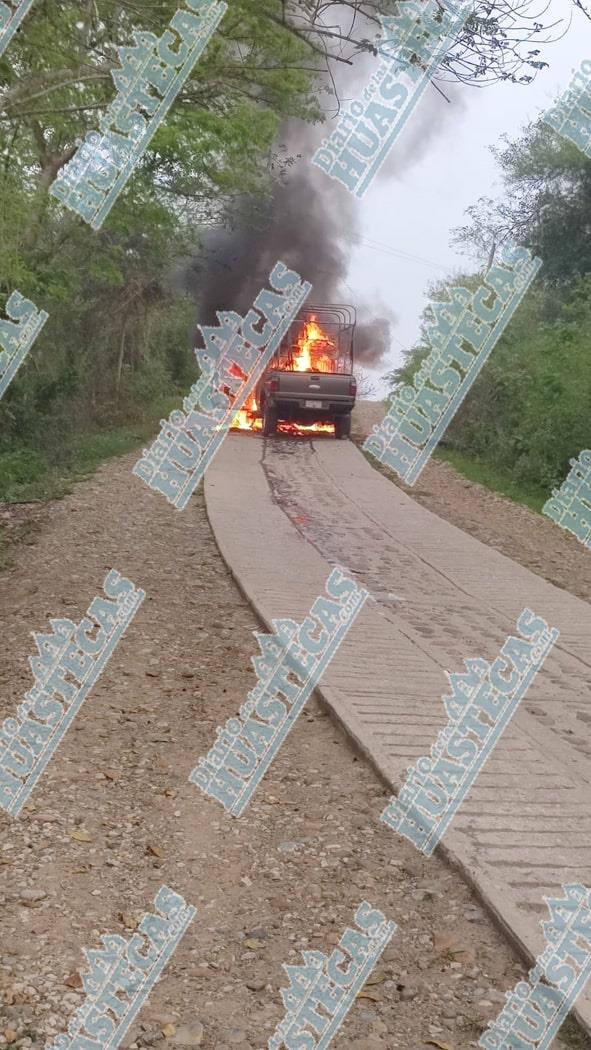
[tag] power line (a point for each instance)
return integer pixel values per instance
(388, 249)
(399, 253)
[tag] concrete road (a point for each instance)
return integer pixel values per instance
(283, 513)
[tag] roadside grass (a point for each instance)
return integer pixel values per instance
(494, 478)
(30, 475)
(473, 469)
(573, 1036)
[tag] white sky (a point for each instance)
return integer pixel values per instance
(442, 172)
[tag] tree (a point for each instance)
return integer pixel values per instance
(528, 411)
(118, 338)
(546, 205)
(495, 42)
(117, 335)
(366, 388)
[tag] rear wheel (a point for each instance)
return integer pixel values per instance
(269, 420)
(342, 426)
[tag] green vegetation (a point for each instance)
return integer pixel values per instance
(118, 342)
(28, 474)
(573, 1037)
(528, 412)
(492, 477)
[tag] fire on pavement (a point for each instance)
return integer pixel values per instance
(309, 356)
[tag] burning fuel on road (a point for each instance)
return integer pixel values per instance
(310, 353)
(308, 386)
(234, 356)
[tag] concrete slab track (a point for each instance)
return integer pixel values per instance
(283, 513)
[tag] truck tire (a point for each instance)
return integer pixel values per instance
(269, 421)
(342, 426)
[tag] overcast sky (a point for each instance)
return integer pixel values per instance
(438, 167)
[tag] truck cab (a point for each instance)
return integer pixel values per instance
(310, 379)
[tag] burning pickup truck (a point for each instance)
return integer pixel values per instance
(309, 384)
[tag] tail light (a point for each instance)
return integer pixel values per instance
(274, 385)
(353, 386)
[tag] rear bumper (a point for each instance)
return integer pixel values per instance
(312, 409)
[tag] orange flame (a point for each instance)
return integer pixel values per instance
(246, 419)
(305, 428)
(310, 345)
(307, 355)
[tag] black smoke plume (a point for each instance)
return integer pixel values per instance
(309, 223)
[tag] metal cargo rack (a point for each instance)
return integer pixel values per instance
(337, 322)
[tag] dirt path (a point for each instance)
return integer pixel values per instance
(300, 507)
(286, 876)
(529, 538)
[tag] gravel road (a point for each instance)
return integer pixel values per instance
(114, 816)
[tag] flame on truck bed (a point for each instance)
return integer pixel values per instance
(311, 353)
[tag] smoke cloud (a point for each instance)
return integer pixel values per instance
(310, 223)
